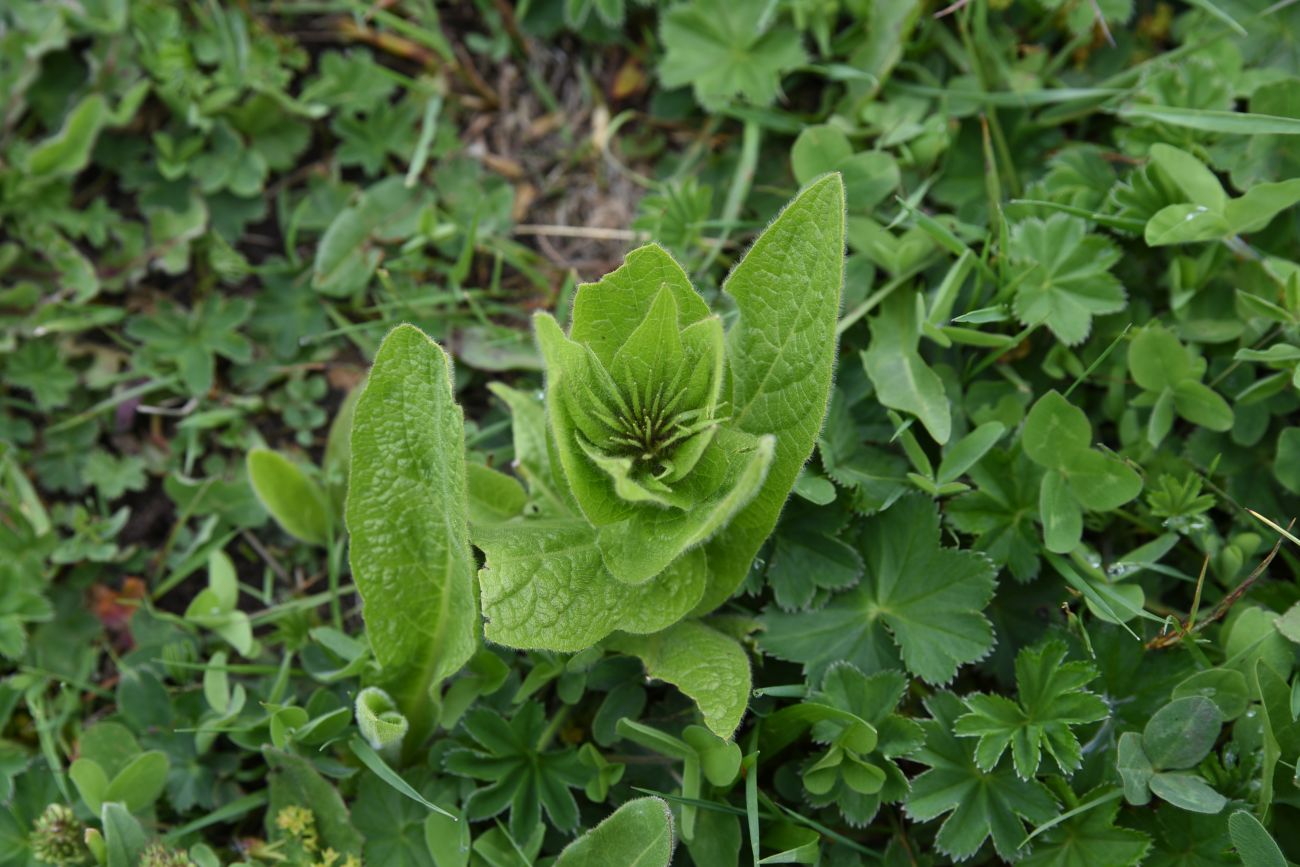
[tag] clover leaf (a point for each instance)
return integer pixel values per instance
(705, 758)
(1175, 738)
(902, 379)
(861, 782)
(1209, 214)
(724, 49)
(1170, 375)
(1058, 437)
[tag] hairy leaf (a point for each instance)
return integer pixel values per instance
(545, 585)
(637, 834)
(702, 662)
(780, 354)
(407, 515)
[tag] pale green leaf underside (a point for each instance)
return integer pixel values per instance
(293, 498)
(378, 719)
(544, 586)
(493, 495)
(708, 666)
(780, 355)
(407, 515)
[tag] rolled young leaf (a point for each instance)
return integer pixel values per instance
(380, 722)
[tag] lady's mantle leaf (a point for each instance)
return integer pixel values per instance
(545, 586)
(708, 666)
(1000, 512)
(724, 49)
(406, 512)
(1051, 700)
(637, 834)
(1063, 275)
(518, 770)
(980, 804)
(781, 353)
(916, 599)
(1089, 839)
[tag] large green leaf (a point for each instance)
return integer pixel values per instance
(705, 664)
(781, 355)
(545, 586)
(605, 313)
(407, 515)
(731, 472)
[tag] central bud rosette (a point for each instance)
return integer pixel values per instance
(645, 415)
(633, 402)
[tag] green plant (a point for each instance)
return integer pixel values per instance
(664, 486)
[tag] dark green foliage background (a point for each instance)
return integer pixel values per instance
(211, 212)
